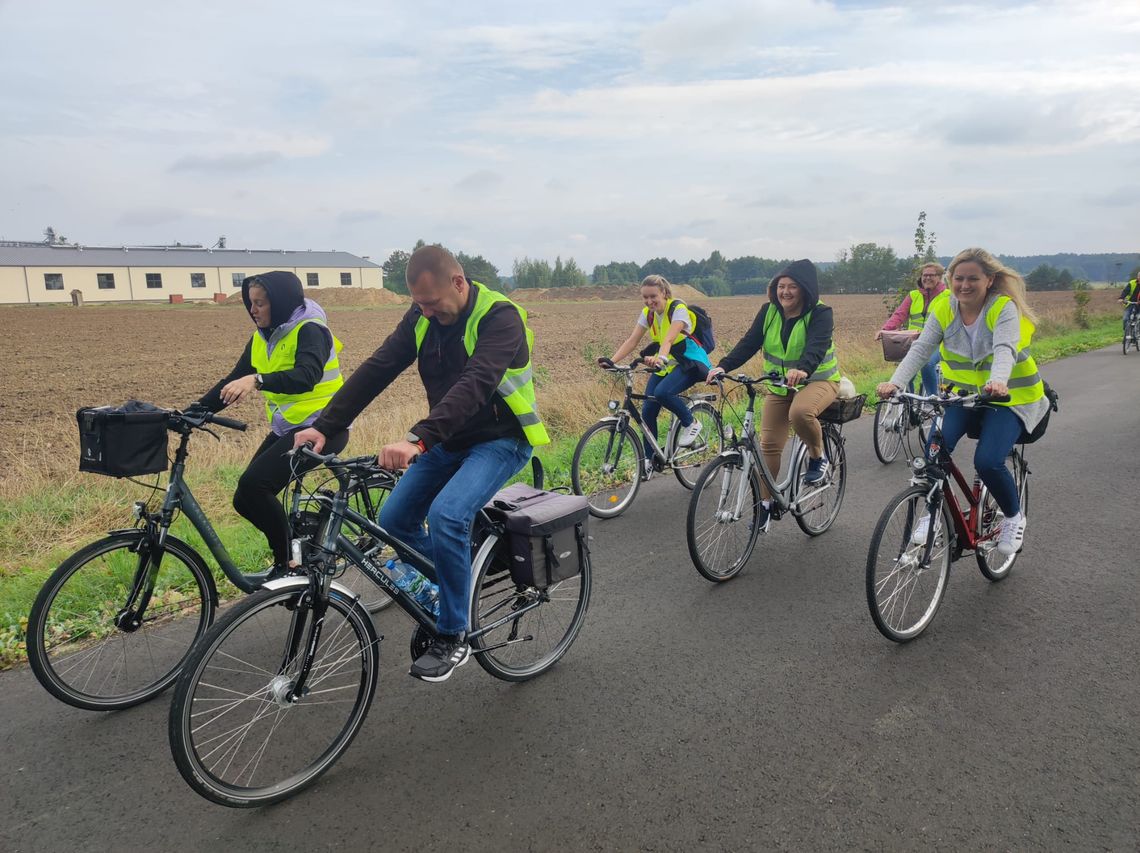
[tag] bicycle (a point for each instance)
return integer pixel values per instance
(896, 423)
(723, 521)
(608, 465)
(113, 624)
(276, 691)
(1131, 328)
(906, 579)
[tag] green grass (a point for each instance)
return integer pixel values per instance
(31, 518)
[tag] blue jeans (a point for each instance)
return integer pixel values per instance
(448, 489)
(665, 391)
(1128, 312)
(930, 374)
(998, 430)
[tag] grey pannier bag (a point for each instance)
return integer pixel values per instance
(545, 532)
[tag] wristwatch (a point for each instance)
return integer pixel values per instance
(412, 438)
(258, 382)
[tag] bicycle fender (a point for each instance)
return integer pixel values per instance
(138, 533)
(302, 582)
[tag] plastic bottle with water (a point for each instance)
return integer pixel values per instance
(412, 582)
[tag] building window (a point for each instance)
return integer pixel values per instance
(197, 279)
(105, 280)
(313, 279)
(154, 280)
(346, 279)
(238, 278)
(53, 280)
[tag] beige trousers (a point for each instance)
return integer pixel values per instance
(802, 408)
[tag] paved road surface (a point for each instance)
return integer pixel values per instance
(763, 713)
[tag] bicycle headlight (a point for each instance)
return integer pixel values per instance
(139, 509)
(729, 433)
(612, 405)
(919, 464)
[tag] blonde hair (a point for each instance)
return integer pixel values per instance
(1006, 281)
(660, 282)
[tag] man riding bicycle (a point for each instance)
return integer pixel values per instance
(473, 351)
(1129, 296)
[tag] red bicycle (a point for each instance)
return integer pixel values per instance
(927, 526)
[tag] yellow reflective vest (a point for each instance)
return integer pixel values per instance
(295, 409)
(780, 359)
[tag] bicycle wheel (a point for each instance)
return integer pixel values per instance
(537, 626)
(819, 504)
(889, 428)
(688, 462)
(721, 540)
(921, 417)
(606, 467)
(76, 647)
(993, 564)
(236, 738)
(902, 594)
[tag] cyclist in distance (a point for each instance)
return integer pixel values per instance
(1130, 293)
(680, 360)
(982, 332)
(473, 349)
(292, 358)
(794, 329)
(912, 313)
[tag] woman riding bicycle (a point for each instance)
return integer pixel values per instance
(795, 331)
(911, 315)
(680, 360)
(982, 330)
(292, 358)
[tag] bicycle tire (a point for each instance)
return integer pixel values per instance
(506, 652)
(994, 565)
(830, 500)
(893, 580)
(348, 652)
(688, 462)
(888, 429)
(606, 468)
(719, 544)
(72, 623)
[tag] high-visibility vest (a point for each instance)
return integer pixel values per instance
(917, 318)
(1133, 287)
(657, 330)
(517, 385)
(295, 409)
(959, 369)
(781, 359)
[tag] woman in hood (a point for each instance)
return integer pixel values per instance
(292, 358)
(794, 330)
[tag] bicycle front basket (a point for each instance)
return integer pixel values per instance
(842, 411)
(896, 344)
(120, 443)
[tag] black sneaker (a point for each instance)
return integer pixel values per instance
(446, 652)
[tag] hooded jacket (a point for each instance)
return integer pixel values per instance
(287, 303)
(819, 330)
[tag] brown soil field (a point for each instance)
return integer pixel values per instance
(63, 358)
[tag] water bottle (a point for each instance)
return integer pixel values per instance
(416, 585)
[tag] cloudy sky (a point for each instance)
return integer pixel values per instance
(604, 130)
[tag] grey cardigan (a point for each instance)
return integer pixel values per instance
(1003, 345)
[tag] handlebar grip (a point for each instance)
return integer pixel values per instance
(993, 398)
(229, 423)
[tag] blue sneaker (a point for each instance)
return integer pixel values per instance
(816, 470)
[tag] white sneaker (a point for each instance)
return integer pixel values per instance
(921, 528)
(689, 434)
(1012, 535)
(646, 469)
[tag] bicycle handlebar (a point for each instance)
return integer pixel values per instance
(947, 400)
(774, 379)
(611, 367)
(200, 417)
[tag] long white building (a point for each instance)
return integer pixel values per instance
(46, 274)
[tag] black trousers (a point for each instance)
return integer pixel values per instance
(266, 475)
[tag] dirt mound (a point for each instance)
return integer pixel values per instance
(348, 296)
(623, 292)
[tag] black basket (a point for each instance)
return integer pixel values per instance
(120, 443)
(842, 411)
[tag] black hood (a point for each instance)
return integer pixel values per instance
(802, 272)
(284, 292)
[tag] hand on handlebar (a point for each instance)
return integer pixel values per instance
(886, 389)
(714, 375)
(311, 437)
(604, 362)
(795, 376)
(996, 389)
(398, 456)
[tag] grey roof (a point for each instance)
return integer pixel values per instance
(76, 256)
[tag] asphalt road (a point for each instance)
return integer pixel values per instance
(765, 713)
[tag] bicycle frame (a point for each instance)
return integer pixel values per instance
(627, 411)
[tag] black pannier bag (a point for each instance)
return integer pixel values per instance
(123, 441)
(545, 531)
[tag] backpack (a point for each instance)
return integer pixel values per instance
(703, 329)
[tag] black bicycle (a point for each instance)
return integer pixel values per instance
(1131, 328)
(114, 623)
(275, 692)
(609, 463)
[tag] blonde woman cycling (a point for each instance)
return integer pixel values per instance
(680, 360)
(982, 329)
